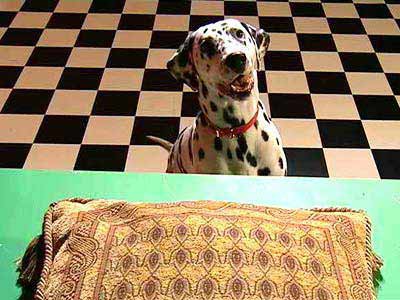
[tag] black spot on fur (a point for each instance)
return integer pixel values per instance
(244, 42)
(230, 120)
(264, 172)
(201, 154)
(264, 135)
(204, 89)
(261, 104)
(208, 47)
(251, 159)
(277, 141)
(242, 143)
(230, 109)
(213, 30)
(213, 106)
(203, 120)
(239, 154)
(266, 117)
(219, 32)
(218, 143)
(191, 78)
(205, 30)
(256, 124)
(280, 162)
(229, 153)
(222, 49)
(224, 24)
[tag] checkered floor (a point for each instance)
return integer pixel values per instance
(82, 83)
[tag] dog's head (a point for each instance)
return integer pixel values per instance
(223, 55)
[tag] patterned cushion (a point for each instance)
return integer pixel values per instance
(97, 249)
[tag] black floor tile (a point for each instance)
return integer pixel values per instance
(6, 17)
(283, 61)
(136, 22)
(190, 104)
(327, 83)
(171, 8)
(366, 10)
(346, 26)
(262, 82)
(160, 80)
(167, 39)
(39, 5)
(342, 134)
(360, 62)
(80, 78)
(377, 107)
(8, 76)
(127, 58)
(394, 81)
(316, 42)
(102, 158)
(163, 127)
(385, 43)
(240, 8)
(300, 9)
(21, 37)
(388, 163)
(306, 162)
(115, 103)
(277, 24)
(297, 106)
(49, 56)
(13, 155)
(110, 7)
(95, 38)
(62, 129)
(66, 20)
(196, 21)
(24, 101)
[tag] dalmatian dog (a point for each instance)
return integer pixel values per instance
(233, 133)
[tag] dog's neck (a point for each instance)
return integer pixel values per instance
(227, 112)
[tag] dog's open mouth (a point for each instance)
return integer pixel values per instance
(240, 87)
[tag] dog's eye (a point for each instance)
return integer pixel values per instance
(239, 34)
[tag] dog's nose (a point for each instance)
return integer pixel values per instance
(236, 62)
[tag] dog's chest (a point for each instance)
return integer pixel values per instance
(244, 154)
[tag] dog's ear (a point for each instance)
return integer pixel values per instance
(181, 64)
(261, 40)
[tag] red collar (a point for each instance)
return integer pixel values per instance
(233, 131)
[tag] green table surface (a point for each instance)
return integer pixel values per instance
(25, 195)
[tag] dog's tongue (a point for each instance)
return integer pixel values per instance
(241, 83)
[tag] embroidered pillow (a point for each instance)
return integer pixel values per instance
(97, 249)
